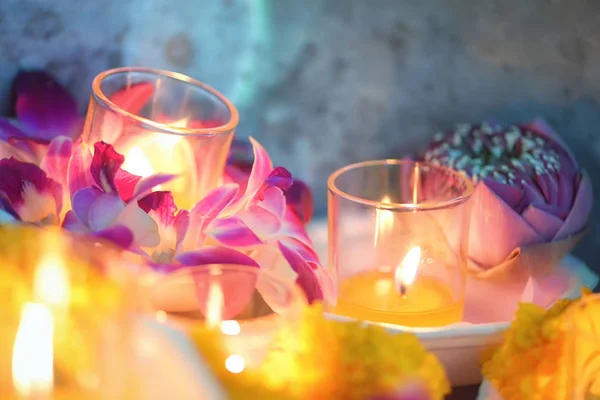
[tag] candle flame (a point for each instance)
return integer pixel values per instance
(230, 327)
(407, 270)
(384, 220)
(32, 362)
(51, 281)
(137, 163)
(214, 304)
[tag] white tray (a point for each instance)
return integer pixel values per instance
(460, 346)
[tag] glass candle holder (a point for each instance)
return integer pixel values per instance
(398, 242)
(67, 307)
(163, 122)
(247, 304)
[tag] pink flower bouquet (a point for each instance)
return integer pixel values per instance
(49, 176)
(530, 205)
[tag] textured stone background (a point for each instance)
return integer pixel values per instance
(323, 83)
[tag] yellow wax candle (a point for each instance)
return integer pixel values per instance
(372, 296)
(394, 296)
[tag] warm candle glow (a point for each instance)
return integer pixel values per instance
(230, 327)
(32, 363)
(137, 163)
(235, 363)
(384, 220)
(214, 305)
(51, 283)
(407, 270)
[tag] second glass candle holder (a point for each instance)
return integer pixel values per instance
(398, 242)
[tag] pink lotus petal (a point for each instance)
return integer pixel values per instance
(145, 185)
(44, 108)
(232, 231)
(82, 202)
(512, 195)
(495, 222)
(215, 255)
(103, 212)
(235, 289)
(207, 209)
(126, 183)
(133, 97)
(72, 223)
(544, 223)
(582, 207)
(261, 169)
(143, 227)
(56, 161)
(300, 198)
(118, 234)
(181, 225)
(78, 175)
(542, 127)
(307, 278)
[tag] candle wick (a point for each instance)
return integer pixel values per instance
(403, 290)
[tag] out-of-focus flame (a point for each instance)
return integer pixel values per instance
(235, 363)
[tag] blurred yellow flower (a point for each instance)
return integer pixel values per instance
(544, 355)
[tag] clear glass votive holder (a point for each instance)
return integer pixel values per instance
(163, 122)
(248, 305)
(398, 242)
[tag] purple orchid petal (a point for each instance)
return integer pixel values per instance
(508, 229)
(145, 185)
(181, 225)
(510, 194)
(133, 97)
(261, 169)
(306, 252)
(580, 212)
(207, 209)
(56, 162)
(273, 201)
(241, 155)
(44, 108)
(544, 223)
(8, 131)
(293, 227)
(278, 178)
(262, 222)
(143, 227)
(104, 211)
(24, 185)
(72, 223)
(326, 282)
(215, 255)
(126, 184)
(307, 278)
(232, 231)
(234, 290)
(78, 174)
(105, 164)
(299, 196)
(83, 200)
(118, 234)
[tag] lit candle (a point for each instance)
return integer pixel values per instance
(166, 154)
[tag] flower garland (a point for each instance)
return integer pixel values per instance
(50, 177)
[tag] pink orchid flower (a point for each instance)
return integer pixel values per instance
(104, 196)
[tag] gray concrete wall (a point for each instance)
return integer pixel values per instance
(323, 83)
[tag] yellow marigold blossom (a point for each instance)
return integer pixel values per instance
(325, 359)
(318, 359)
(532, 363)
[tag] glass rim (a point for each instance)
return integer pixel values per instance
(258, 271)
(101, 97)
(334, 189)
